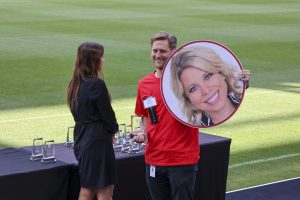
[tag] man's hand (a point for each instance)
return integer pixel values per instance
(139, 137)
(244, 75)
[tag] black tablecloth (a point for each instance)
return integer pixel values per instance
(21, 178)
(63, 177)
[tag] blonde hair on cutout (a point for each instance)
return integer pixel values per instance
(208, 60)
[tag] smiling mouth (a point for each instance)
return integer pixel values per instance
(160, 60)
(213, 99)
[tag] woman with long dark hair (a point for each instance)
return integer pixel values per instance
(95, 124)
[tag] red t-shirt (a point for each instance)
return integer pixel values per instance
(170, 142)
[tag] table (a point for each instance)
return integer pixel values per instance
(60, 180)
(21, 178)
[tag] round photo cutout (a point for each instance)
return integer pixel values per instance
(200, 84)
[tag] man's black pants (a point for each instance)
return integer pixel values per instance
(172, 182)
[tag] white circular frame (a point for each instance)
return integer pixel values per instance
(169, 97)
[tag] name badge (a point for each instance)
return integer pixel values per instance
(149, 102)
(152, 171)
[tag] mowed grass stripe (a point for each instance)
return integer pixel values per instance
(265, 160)
(250, 95)
(248, 175)
(51, 45)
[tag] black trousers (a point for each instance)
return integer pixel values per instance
(172, 182)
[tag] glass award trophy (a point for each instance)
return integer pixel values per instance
(135, 123)
(37, 149)
(117, 145)
(138, 129)
(134, 147)
(127, 132)
(48, 151)
(122, 129)
(69, 143)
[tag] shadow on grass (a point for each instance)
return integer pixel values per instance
(281, 80)
(265, 120)
(3, 145)
(281, 87)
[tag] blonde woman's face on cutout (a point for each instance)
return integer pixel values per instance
(206, 91)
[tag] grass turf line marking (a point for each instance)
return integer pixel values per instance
(252, 162)
(39, 117)
(53, 116)
(121, 108)
(262, 185)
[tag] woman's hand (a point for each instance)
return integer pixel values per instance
(113, 138)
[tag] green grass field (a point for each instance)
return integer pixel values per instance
(39, 38)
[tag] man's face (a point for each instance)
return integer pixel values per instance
(159, 53)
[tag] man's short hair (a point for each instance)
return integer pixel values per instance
(165, 36)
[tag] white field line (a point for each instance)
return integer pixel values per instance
(121, 108)
(263, 160)
(263, 185)
(38, 117)
(52, 116)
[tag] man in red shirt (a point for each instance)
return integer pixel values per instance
(172, 148)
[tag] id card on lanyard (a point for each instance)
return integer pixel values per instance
(152, 171)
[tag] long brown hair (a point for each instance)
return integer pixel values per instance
(87, 65)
